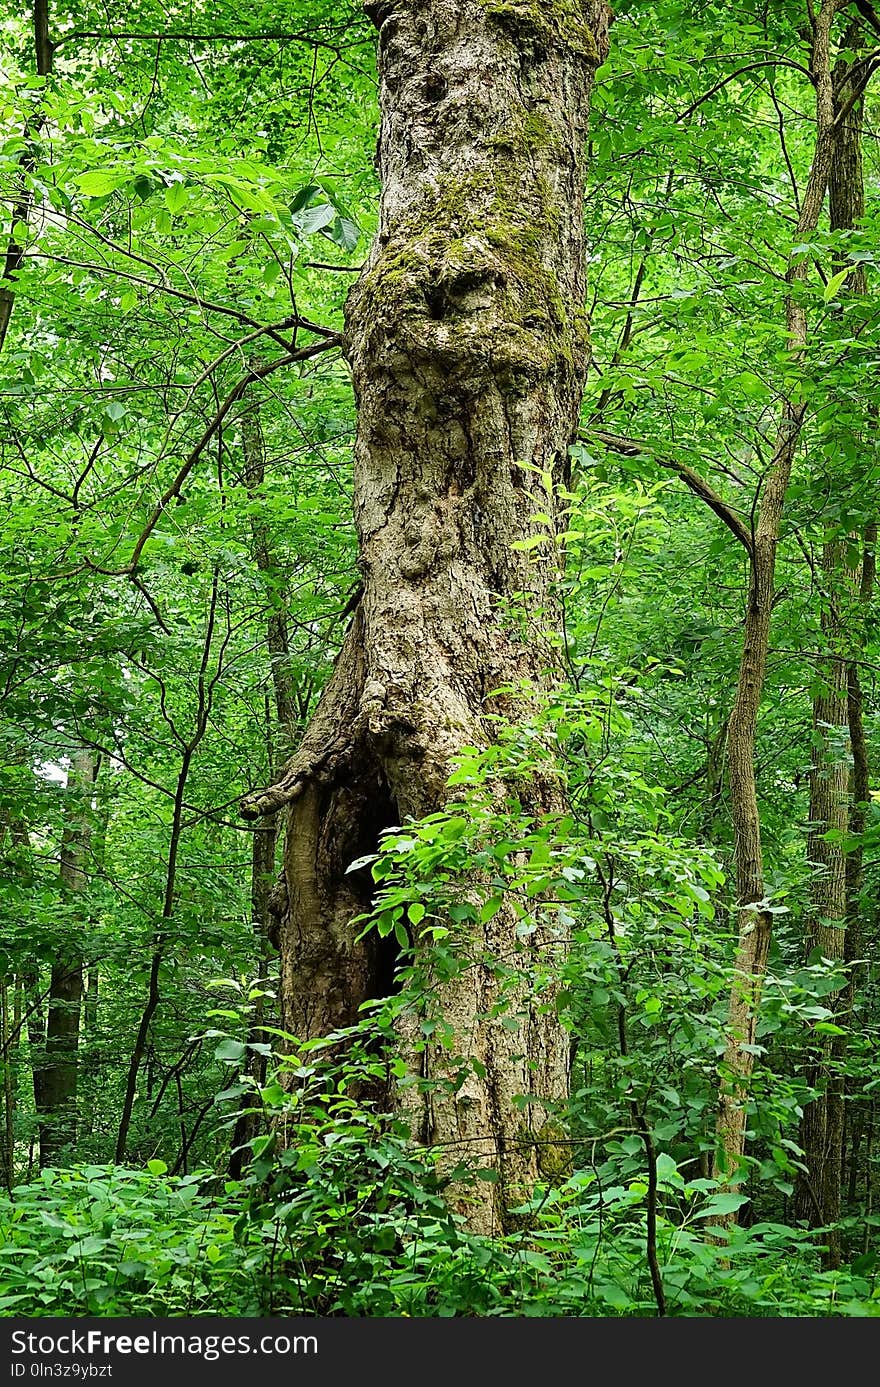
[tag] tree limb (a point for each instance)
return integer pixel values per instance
(255, 373)
(292, 320)
(633, 447)
(183, 36)
(872, 63)
(300, 772)
(731, 76)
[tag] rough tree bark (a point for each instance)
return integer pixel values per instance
(468, 346)
(754, 919)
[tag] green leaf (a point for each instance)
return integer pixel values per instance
(343, 232)
(143, 187)
(176, 197)
(724, 1203)
(101, 182)
(87, 1247)
(312, 219)
(156, 1167)
(835, 283)
(360, 862)
(273, 1094)
(667, 1169)
(615, 1296)
(305, 195)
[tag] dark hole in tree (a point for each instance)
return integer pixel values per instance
(436, 87)
(435, 298)
(377, 814)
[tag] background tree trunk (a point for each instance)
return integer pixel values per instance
(58, 1084)
(821, 1132)
(468, 347)
(836, 707)
(18, 863)
(755, 920)
(43, 54)
(8, 1059)
(265, 836)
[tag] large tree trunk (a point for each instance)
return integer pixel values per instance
(468, 345)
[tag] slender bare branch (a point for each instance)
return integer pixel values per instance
(633, 447)
(732, 76)
(253, 374)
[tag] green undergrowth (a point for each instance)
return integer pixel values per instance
(107, 1241)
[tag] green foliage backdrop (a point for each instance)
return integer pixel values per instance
(187, 201)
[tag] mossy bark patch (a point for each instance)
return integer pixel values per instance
(563, 24)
